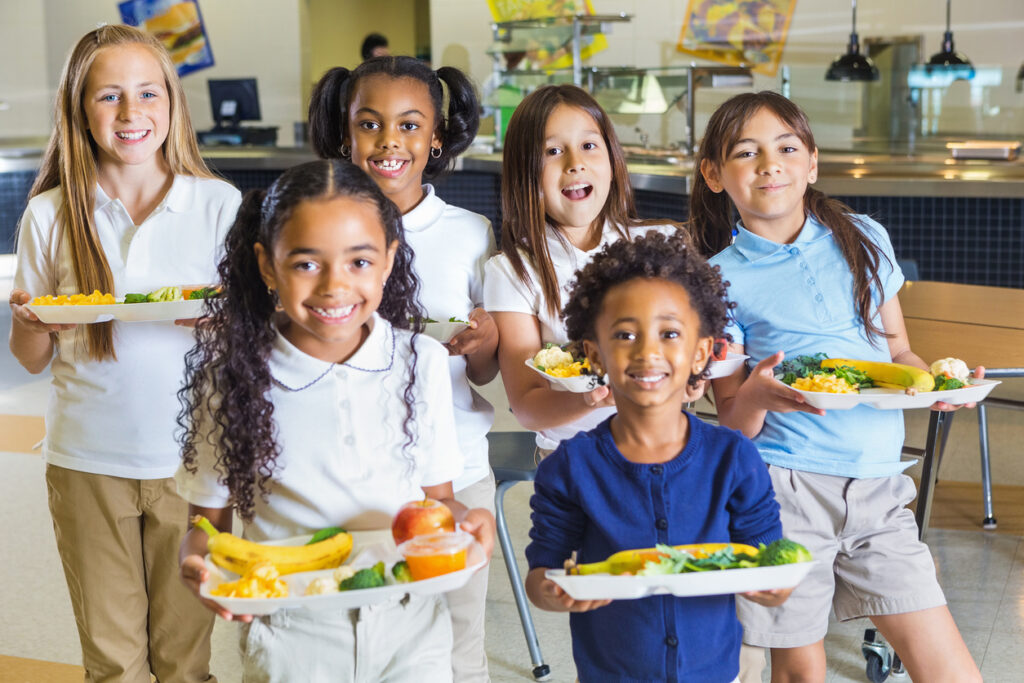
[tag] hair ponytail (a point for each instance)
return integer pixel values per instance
(459, 127)
(328, 111)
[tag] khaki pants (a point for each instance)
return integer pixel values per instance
(118, 541)
(467, 605)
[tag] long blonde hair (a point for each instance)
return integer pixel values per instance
(70, 163)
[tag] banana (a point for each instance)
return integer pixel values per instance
(632, 561)
(237, 554)
(903, 376)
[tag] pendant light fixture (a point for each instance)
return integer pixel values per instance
(948, 58)
(853, 66)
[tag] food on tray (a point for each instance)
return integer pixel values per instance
(172, 294)
(420, 517)
(887, 375)
(436, 554)
(845, 375)
(237, 554)
(720, 349)
(370, 577)
(950, 373)
(260, 580)
(700, 557)
(400, 572)
(97, 298)
(559, 361)
(632, 561)
(325, 585)
(453, 319)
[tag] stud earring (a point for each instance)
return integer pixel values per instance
(435, 152)
(346, 151)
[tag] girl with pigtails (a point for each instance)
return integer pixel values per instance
(311, 401)
(388, 117)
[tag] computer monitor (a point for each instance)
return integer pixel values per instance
(233, 100)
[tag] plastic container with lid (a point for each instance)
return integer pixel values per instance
(432, 555)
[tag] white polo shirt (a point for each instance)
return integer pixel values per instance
(504, 291)
(118, 417)
(451, 246)
(343, 459)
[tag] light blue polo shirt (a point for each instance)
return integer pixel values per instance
(798, 298)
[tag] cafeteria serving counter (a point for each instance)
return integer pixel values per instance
(958, 220)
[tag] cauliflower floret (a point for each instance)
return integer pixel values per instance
(951, 367)
(343, 572)
(552, 357)
(322, 586)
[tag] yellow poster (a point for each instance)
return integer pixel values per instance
(561, 57)
(738, 32)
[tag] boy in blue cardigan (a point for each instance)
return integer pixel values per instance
(648, 312)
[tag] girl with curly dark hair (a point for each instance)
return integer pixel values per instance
(648, 312)
(332, 412)
(387, 117)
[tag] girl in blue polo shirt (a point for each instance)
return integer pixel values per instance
(810, 276)
(648, 311)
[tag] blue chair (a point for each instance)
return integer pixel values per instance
(511, 457)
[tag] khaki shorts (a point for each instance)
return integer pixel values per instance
(870, 561)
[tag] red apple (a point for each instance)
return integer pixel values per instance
(420, 517)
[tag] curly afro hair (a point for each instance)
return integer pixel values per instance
(654, 255)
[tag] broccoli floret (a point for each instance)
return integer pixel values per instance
(370, 577)
(401, 572)
(783, 551)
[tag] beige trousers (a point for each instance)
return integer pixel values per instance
(118, 541)
(467, 605)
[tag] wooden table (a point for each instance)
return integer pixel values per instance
(982, 326)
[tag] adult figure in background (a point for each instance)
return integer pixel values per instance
(375, 45)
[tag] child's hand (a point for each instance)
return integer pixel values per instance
(482, 333)
(601, 397)
(480, 523)
(28, 320)
(770, 394)
(942, 406)
(772, 598)
(560, 601)
(193, 573)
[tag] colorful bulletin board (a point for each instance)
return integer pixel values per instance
(511, 10)
(179, 26)
(738, 32)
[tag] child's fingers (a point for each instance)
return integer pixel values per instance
(767, 365)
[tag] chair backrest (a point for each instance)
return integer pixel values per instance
(511, 455)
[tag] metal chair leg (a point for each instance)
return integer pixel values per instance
(989, 521)
(541, 671)
(929, 470)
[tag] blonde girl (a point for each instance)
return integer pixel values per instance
(565, 193)
(123, 203)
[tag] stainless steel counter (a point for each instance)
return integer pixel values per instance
(843, 174)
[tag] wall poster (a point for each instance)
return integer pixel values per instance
(178, 24)
(545, 57)
(738, 32)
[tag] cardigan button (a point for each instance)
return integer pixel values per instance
(671, 641)
(662, 523)
(656, 469)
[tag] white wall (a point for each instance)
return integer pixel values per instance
(987, 31)
(249, 38)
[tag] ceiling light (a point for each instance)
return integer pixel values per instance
(853, 66)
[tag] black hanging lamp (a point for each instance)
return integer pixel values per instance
(853, 66)
(948, 58)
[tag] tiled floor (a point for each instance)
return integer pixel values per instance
(983, 573)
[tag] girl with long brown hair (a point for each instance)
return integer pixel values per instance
(565, 194)
(123, 203)
(809, 276)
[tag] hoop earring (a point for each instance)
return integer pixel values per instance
(346, 151)
(438, 152)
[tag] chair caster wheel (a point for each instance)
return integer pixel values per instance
(988, 523)
(542, 672)
(879, 659)
(876, 669)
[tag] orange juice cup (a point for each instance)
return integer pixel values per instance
(432, 555)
